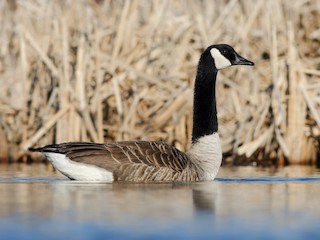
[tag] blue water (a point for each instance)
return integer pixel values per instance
(202, 226)
(242, 203)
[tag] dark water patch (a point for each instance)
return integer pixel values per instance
(223, 180)
(268, 180)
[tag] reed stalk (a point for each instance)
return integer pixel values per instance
(123, 70)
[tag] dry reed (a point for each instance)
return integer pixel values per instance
(124, 70)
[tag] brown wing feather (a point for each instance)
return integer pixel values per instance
(112, 155)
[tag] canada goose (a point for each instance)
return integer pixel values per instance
(142, 161)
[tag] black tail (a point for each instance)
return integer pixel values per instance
(48, 148)
(68, 147)
(34, 149)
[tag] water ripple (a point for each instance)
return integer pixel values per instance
(268, 179)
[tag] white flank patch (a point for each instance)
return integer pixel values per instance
(206, 153)
(219, 60)
(78, 171)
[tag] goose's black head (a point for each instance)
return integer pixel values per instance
(224, 56)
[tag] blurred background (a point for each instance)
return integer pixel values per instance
(103, 70)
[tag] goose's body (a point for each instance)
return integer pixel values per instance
(135, 161)
(142, 161)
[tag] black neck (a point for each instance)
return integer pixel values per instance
(205, 120)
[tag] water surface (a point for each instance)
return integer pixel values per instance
(39, 203)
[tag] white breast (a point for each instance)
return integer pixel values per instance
(206, 154)
(78, 171)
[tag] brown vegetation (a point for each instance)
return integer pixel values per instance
(123, 70)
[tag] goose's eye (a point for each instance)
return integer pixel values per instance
(224, 51)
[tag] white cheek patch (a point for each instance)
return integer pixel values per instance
(219, 60)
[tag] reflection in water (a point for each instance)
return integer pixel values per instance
(179, 207)
(204, 197)
(121, 202)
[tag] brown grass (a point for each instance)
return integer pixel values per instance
(124, 70)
